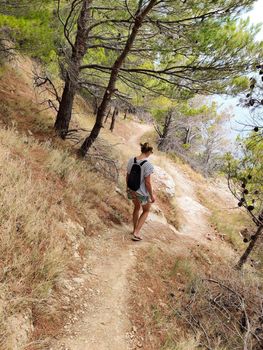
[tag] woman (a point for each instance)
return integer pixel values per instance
(143, 196)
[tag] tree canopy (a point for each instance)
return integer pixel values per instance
(125, 49)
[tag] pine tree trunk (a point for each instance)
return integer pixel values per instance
(90, 140)
(107, 116)
(161, 144)
(166, 130)
(188, 134)
(249, 249)
(65, 108)
(95, 106)
(113, 119)
(79, 50)
(139, 17)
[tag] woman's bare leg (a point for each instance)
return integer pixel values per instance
(136, 212)
(142, 218)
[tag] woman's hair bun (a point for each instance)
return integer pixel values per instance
(145, 147)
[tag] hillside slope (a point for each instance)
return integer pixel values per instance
(80, 282)
(107, 322)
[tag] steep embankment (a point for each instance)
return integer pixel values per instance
(51, 206)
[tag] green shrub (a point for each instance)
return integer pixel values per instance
(34, 36)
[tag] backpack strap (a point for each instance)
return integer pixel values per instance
(143, 162)
(135, 161)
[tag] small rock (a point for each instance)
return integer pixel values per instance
(118, 190)
(76, 255)
(78, 280)
(162, 304)
(134, 329)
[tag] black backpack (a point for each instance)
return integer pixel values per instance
(134, 179)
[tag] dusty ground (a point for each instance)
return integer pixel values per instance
(105, 323)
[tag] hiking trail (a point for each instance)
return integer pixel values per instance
(104, 323)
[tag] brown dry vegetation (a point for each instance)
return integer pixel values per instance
(19, 102)
(168, 206)
(226, 218)
(193, 298)
(177, 306)
(42, 188)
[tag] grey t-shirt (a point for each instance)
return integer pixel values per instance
(146, 170)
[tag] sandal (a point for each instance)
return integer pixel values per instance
(136, 238)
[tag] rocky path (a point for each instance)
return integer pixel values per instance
(105, 323)
(194, 216)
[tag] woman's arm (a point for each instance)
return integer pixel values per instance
(148, 185)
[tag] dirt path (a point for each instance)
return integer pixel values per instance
(105, 323)
(194, 217)
(194, 214)
(141, 129)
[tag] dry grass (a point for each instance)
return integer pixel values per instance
(160, 277)
(225, 219)
(171, 293)
(169, 207)
(151, 138)
(19, 105)
(32, 253)
(41, 188)
(44, 190)
(190, 343)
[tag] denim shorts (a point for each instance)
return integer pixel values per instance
(142, 199)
